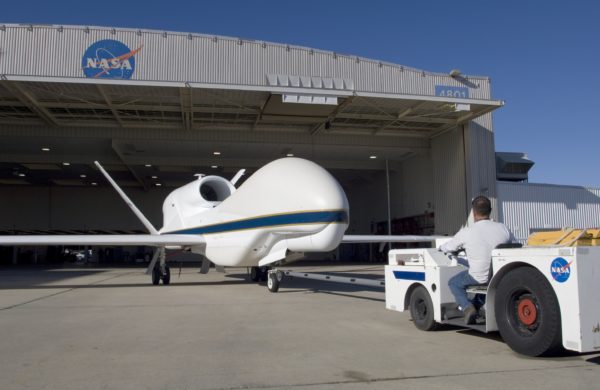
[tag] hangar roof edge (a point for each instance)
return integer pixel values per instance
(3, 26)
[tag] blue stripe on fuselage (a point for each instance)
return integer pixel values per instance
(410, 275)
(338, 216)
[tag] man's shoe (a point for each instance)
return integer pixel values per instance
(470, 314)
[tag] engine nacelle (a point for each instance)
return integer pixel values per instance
(186, 202)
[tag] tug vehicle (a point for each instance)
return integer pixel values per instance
(541, 297)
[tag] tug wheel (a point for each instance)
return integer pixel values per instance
(527, 312)
(421, 309)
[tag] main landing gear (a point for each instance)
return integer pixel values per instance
(259, 274)
(160, 270)
(161, 273)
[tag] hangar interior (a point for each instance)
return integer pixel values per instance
(378, 128)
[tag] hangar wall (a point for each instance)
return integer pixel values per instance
(456, 168)
(368, 203)
(449, 181)
(411, 194)
(68, 208)
(412, 186)
(480, 159)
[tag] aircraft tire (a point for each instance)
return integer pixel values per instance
(264, 274)
(527, 313)
(167, 276)
(254, 274)
(421, 309)
(155, 276)
(273, 282)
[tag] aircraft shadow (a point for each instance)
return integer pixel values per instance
(118, 285)
(16, 278)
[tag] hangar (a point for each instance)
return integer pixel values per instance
(410, 147)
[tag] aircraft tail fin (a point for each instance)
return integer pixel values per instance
(128, 201)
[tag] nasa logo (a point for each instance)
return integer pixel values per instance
(560, 269)
(109, 59)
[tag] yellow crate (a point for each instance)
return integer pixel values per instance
(566, 237)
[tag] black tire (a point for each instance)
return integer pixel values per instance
(254, 274)
(421, 309)
(166, 278)
(155, 276)
(264, 273)
(527, 313)
(273, 283)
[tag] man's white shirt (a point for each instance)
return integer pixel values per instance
(478, 241)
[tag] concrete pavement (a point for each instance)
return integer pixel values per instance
(108, 328)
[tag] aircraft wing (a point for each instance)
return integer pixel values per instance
(106, 239)
(372, 238)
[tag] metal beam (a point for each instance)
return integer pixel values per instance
(260, 114)
(332, 115)
(30, 101)
(187, 113)
(400, 116)
(116, 148)
(463, 119)
(109, 104)
(211, 134)
(403, 116)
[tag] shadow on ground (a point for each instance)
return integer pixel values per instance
(38, 277)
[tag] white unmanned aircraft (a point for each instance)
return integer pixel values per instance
(290, 205)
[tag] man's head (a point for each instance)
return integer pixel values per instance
(482, 208)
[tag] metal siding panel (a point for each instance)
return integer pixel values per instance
(526, 206)
(481, 159)
(449, 182)
(174, 57)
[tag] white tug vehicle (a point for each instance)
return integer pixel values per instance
(540, 297)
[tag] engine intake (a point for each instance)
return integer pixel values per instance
(194, 198)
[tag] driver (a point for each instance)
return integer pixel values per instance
(477, 241)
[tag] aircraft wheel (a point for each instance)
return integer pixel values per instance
(273, 280)
(155, 276)
(527, 313)
(264, 274)
(166, 278)
(421, 309)
(254, 274)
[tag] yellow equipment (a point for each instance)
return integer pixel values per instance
(565, 237)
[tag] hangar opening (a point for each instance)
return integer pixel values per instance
(409, 147)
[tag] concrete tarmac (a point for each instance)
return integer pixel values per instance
(108, 328)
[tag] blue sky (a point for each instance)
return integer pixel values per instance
(543, 56)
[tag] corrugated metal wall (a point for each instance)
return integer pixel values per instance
(524, 206)
(481, 159)
(54, 51)
(449, 181)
